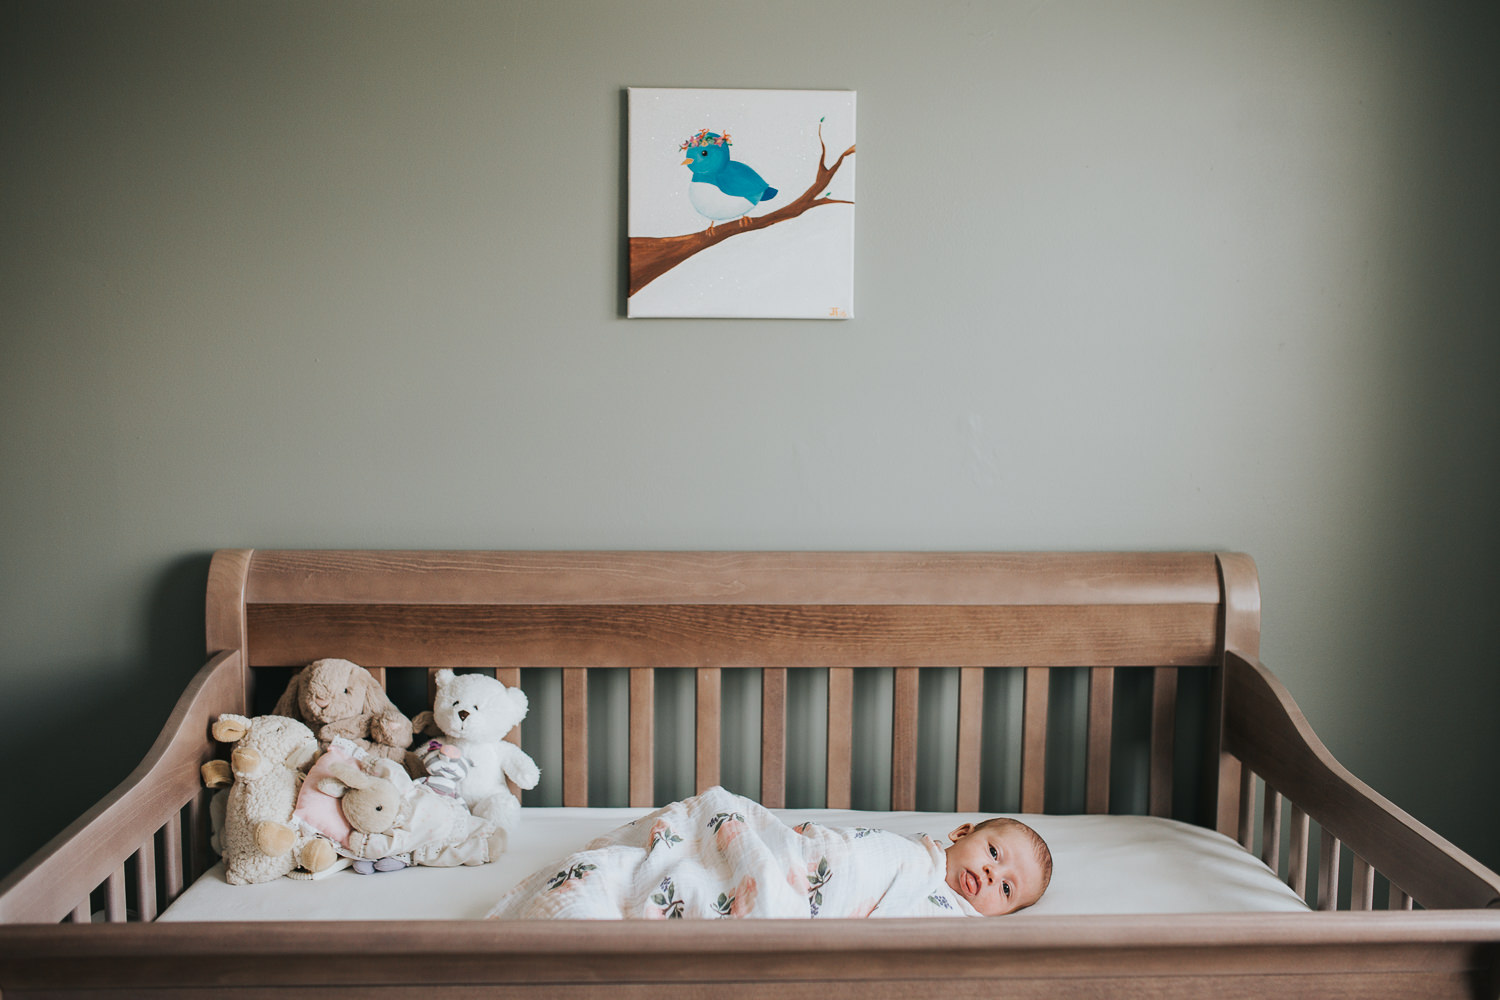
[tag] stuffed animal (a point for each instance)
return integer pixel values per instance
(395, 817)
(473, 713)
(445, 768)
(340, 698)
(259, 840)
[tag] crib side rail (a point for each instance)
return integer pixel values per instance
(1265, 729)
(139, 825)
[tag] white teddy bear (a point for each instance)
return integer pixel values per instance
(474, 712)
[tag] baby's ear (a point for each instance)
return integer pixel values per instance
(962, 831)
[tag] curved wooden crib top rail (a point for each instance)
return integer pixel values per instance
(773, 611)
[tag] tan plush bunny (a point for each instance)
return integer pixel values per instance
(339, 698)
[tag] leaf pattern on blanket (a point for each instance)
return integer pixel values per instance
(662, 834)
(818, 876)
(571, 873)
(671, 906)
(718, 855)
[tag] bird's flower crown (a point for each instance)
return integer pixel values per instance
(706, 138)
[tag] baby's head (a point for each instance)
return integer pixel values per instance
(999, 866)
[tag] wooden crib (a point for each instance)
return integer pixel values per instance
(1398, 911)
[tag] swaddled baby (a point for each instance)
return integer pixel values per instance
(721, 855)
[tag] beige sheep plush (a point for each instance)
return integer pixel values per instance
(258, 838)
(340, 698)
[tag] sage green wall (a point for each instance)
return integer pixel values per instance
(1129, 275)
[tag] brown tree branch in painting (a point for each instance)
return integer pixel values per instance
(653, 256)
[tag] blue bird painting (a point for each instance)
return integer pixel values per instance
(721, 188)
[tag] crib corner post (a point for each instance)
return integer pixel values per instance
(1239, 630)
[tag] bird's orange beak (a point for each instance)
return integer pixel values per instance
(687, 162)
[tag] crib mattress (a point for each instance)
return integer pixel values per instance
(1101, 864)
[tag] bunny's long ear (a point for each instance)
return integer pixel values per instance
(377, 701)
(287, 704)
(342, 777)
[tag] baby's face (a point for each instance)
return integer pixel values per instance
(994, 867)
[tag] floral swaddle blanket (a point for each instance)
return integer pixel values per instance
(722, 855)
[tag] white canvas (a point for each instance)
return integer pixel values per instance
(798, 264)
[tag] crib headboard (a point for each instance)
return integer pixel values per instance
(969, 619)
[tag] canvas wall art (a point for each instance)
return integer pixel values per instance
(741, 203)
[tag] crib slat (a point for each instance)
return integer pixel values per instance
(379, 674)
(1328, 872)
(1034, 741)
(1270, 832)
(904, 741)
(773, 737)
(114, 896)
(82, 913)
(1227, 793)
(145, 880)
(575, 736)
(1163, 729)
(171, 853)
(1101, 727)
(1361, 884)
(642, 737)
(1247, 808)
(1399, 900)
(970, 723)
(198, 850)
(710, 687)
(1297, 852)
(840, 735)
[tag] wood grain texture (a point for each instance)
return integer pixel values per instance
(1163, 739)
(708, 741)
(1297, 855)
(840, 737)
(904, 740)
(1361, 884)
(173, 874)
(1376, 953)
(1239, 603)
(642, 737)
(1246, 810)
(145, 880)
(747, 578)
(1101, 729)
(575, 736)
(773, 737)
(1264, 727)
(1034, 741)
(1270, 830)
(228, 575)
(1329, 852)
(970, 738)
(461, 635)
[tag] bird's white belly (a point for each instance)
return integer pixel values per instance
(714, 204)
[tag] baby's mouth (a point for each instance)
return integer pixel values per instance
(969, 883)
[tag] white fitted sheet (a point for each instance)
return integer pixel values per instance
(1101, 864)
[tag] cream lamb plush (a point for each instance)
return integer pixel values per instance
(259, 841)
(474, 712)
(340, 698)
